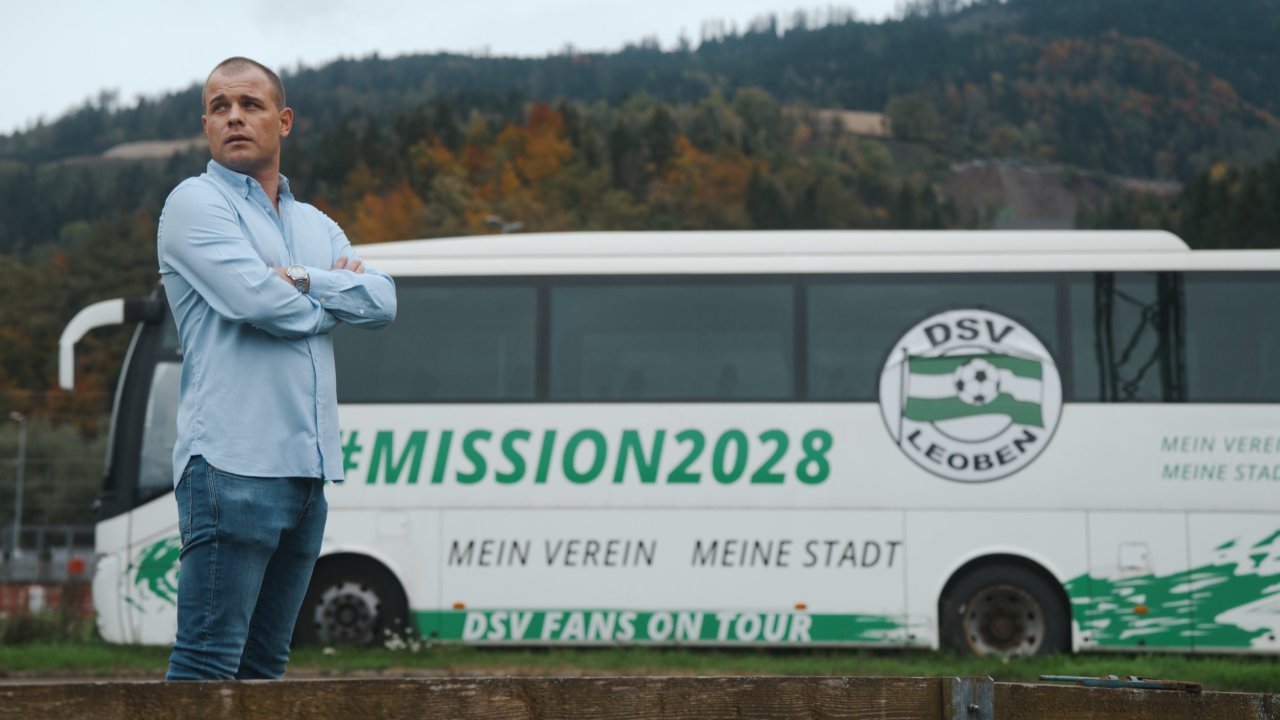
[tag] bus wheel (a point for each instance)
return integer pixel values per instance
(1006, 611)
(351, 602)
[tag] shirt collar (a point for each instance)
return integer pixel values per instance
(242, 183)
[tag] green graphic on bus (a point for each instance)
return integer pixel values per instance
(644, 626)
(157, 571)
(587, 456)
(1228, 603)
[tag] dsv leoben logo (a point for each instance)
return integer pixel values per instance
(970, 395)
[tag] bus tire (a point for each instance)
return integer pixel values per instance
(1005, 611)
(352, 601)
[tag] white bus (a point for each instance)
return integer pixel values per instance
(1000, 443)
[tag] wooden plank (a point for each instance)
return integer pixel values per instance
(1015, 701)
(626, 698)
(494, 698)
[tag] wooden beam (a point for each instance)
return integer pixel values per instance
(627, 698)
(1056, 702)
(679, 698)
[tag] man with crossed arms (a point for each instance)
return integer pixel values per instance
(256, 280)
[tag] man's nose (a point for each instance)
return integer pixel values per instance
(234, 115)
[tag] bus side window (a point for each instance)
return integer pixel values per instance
(1232, 344)
(451, 342)
(710, 341)
(854, 322)
(1119, 338)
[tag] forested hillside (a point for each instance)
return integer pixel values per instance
(1188, 64)
(738, 130)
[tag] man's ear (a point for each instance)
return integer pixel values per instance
(286, 122)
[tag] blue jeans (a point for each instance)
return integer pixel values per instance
(248, 547)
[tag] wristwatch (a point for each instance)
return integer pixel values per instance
(301, 279)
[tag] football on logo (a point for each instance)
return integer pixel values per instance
(970, 395)
(977, 382)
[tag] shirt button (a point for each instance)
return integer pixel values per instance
(361, 311)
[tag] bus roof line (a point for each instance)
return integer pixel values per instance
(779, 243)
(1241, 260)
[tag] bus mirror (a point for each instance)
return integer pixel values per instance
(99, 314)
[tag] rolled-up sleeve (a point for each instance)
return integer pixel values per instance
(201, 239)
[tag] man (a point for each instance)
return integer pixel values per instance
(256, 280)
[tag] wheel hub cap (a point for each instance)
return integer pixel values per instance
(1004, 620)
(346, 613)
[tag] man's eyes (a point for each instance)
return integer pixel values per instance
(221, 107)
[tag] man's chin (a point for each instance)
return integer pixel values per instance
(240, 164)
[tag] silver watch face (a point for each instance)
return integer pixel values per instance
(296, 272)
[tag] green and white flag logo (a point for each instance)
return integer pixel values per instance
(970, 395)
(945, 388)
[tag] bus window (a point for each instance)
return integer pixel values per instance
(1232, 346)
(159, 432)
(144, 420)
(854, 323)
(1117, 329)
(680, 342)
(448, 343)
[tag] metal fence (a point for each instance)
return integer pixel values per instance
(51, 466)
(49, 554)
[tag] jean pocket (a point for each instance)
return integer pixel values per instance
(192, 494)
(182, 494)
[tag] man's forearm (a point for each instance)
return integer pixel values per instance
(365, 299)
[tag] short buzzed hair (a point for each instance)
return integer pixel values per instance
(240, 64)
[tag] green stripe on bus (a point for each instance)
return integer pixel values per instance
(642, 626)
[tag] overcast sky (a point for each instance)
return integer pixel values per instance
(56, 53)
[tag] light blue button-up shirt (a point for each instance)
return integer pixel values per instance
(258, 392)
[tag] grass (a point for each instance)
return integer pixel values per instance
(95, 659)
(1215, 672)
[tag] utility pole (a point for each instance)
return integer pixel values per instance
(21, 464)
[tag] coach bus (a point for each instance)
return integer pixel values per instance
(1011, 443)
